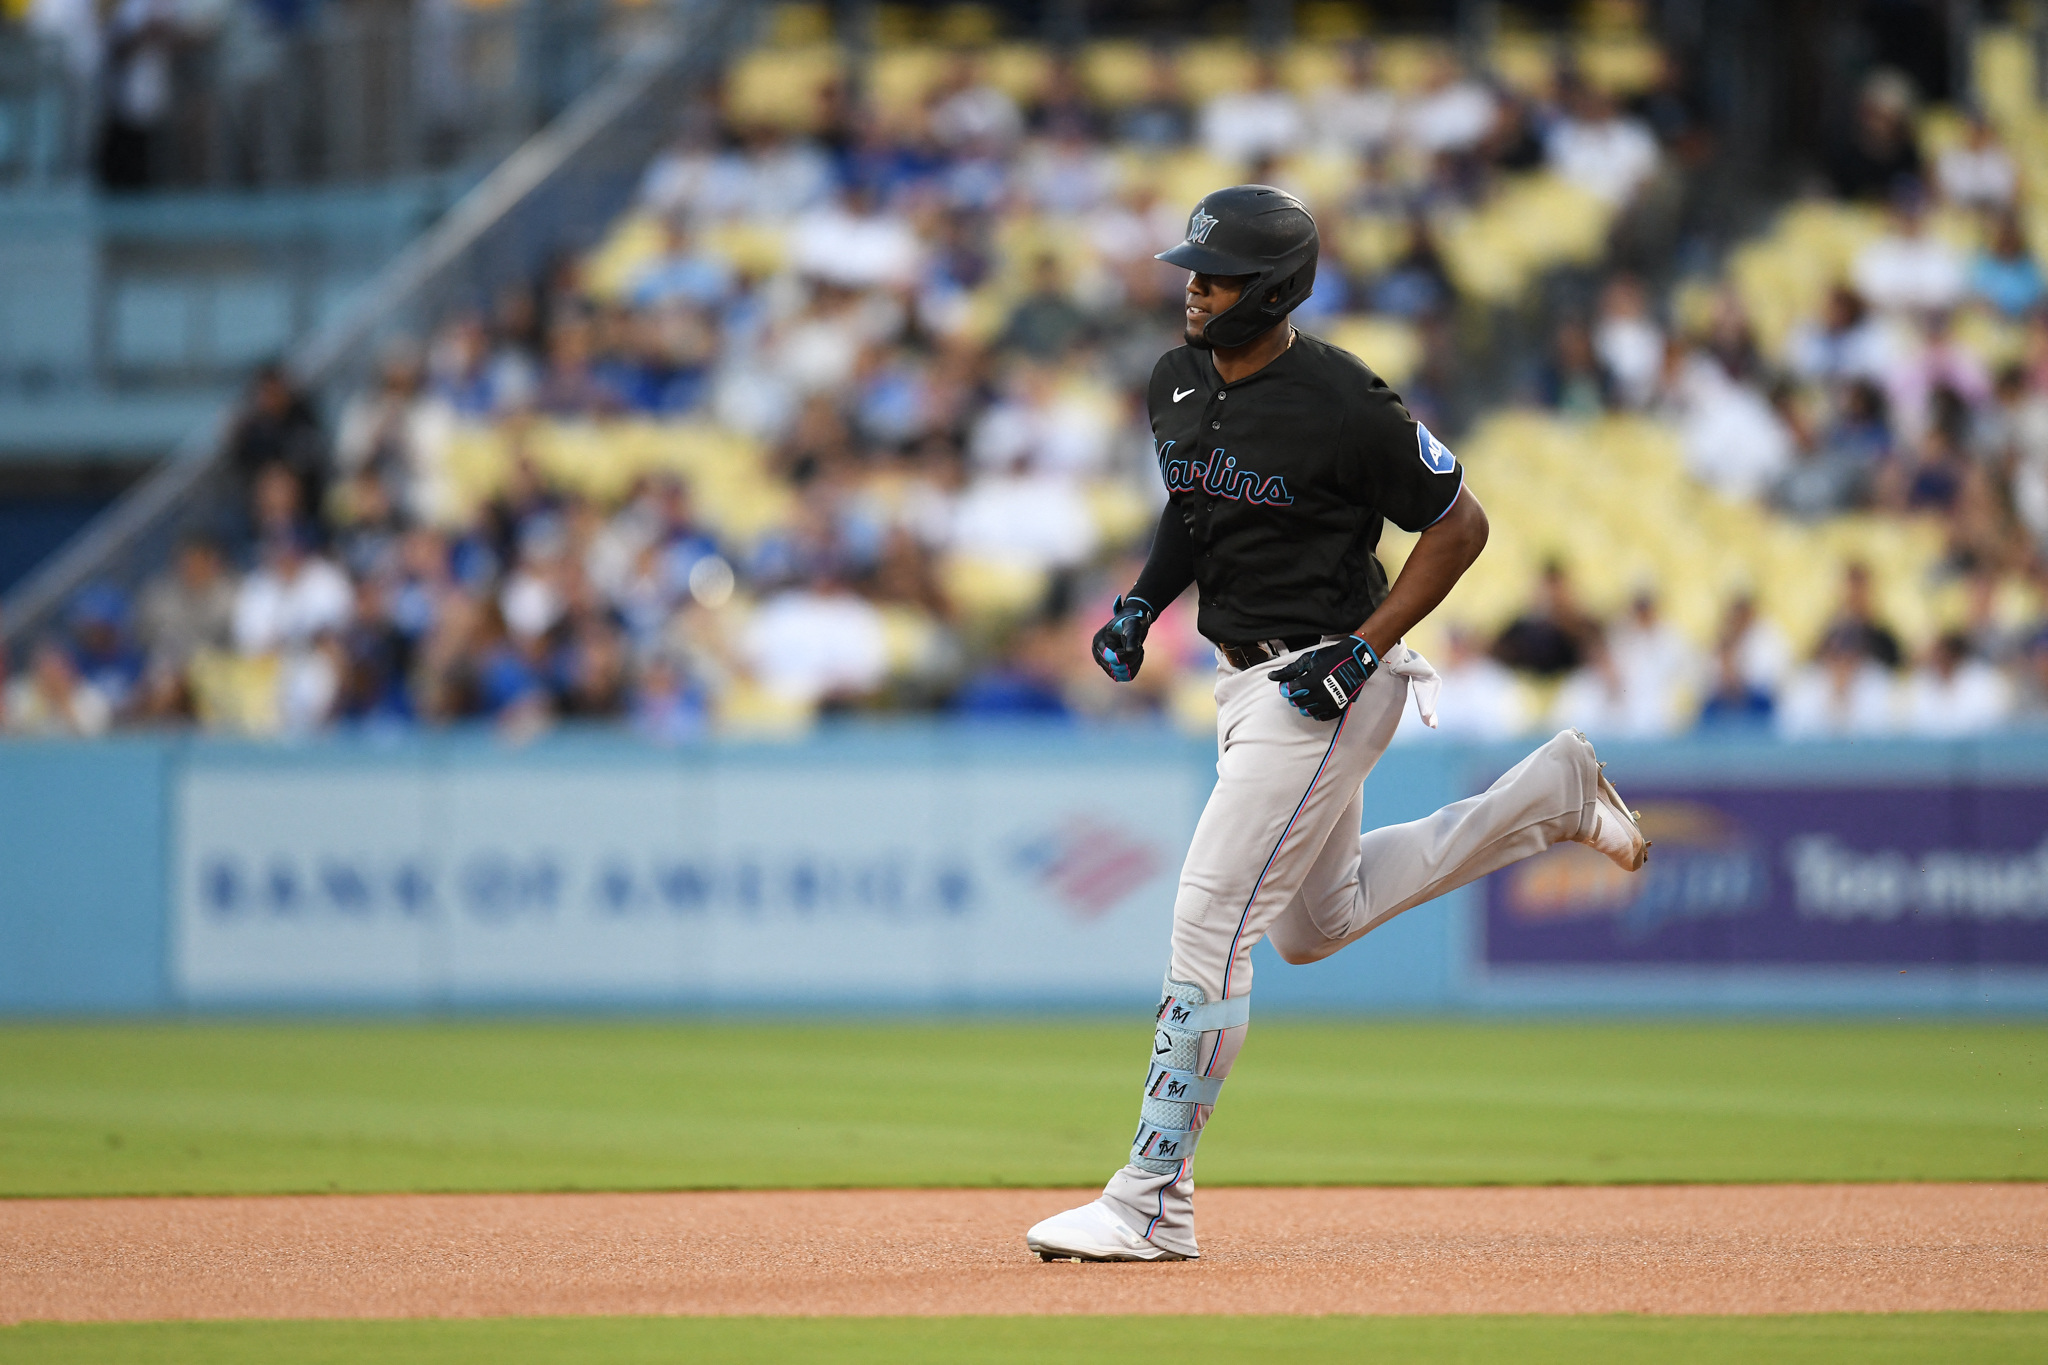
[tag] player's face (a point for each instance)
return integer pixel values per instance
(1209, 295)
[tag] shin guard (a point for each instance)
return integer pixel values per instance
(1167, 1128)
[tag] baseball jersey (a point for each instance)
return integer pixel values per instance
(1277, 488)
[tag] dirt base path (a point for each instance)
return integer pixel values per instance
(1679, 1249)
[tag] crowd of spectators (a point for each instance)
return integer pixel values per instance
(916, 443)
(1918, 390)
(945, 430)
(1639, 677)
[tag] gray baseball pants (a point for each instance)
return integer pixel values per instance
(1278, 854)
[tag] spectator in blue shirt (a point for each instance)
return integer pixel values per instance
(2005, 275)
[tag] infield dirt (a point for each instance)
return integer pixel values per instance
(1648, 1249)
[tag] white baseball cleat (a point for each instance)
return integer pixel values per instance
(1616, 829)
(1093, 1233)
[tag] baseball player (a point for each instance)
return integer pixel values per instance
(1283, 456)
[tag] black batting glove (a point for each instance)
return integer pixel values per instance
(1320, 683)
(1119, 647)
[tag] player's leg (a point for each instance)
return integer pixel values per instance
(1283, 783)
(1328, 894)
(1557, 793)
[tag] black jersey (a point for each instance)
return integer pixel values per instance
(1281, 482)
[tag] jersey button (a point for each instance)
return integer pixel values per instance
(1215, 426)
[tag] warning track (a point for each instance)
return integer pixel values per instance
(1648, 1249)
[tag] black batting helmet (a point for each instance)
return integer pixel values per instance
(1250, 230)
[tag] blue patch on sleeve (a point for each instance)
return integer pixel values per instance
(1434, 453)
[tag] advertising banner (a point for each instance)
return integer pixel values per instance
(1808, 875)
(778, 881)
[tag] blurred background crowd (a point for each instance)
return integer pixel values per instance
(844, 414)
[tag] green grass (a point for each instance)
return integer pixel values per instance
(249, 1107)
(1947, 1338)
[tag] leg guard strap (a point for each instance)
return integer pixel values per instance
(1155, 1148)
(1168, 1125)
(1183, 1009)
(1185, 1087)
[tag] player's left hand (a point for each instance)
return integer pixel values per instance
(1320, 683)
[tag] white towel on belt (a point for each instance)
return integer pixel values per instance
(1423, 683)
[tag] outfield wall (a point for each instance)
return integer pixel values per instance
(933, 867)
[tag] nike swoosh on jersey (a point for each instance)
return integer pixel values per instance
(1179, 394)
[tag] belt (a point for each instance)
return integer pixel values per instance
(1252, 653)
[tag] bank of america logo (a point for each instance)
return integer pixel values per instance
(1089, 864)
(1199, 225)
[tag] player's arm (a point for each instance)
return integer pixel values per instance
(1415, 481)
(1119, 647)
(1441, 555)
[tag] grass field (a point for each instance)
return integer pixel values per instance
(266, 1107)
(1943, 1338)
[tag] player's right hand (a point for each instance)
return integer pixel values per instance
(1119, 647)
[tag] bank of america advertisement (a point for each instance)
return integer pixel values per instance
(779, 882)
(1821, 875)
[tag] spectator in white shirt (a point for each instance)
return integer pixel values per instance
(1357, 116)
(785, 175)
(1034, 521)
(1659, 668)
(1594, 696)
(1845, 343)
(855, 244)
(1452, 114)
(51, 699)
(1601, 150)
(293, 596)
(966, 111)
(811, 644)
(1842, 694)
(1735, 442)
(1977, 173)
(1954, 694)
(1067, 173)
(1249, 124)
(1628, 341)
(1762, 656)
(1908, 269)
(1630, 695)
(1035, 426)
(699, 178)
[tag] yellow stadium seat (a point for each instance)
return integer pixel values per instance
(781, 87)
(1526, 62)
(757, 249)
(1122, 515)
(1215, 66)
(991, 589)
(900, 79)
(1019, 70)
(746, 709)
(1620, 64)
(634, 240)
(1554, 487)
(1390, 345)
(236, 694)
(1405, 63)
(1116, 72)
(2004, 75)
(1369, 242)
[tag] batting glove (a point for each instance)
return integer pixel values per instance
(1119, 647)
(1320, 683)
